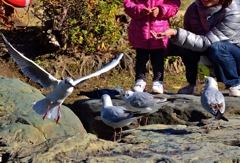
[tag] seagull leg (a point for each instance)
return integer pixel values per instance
(46, 111)
(120, 134)
(218, 127)
(208, 128)
(114, 139)
(58, 115)
(139, 121)
(146, 120)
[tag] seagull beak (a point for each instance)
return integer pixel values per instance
(74, 86)
(117, 96)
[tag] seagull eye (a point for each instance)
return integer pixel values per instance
(67, 82)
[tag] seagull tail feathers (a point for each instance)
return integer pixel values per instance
(54, 113)
(40, 106)
(220, 116)
(224, 118)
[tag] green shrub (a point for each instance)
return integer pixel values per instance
(88, 26)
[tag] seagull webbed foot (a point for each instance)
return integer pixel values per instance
(218, 127)
(207, 127)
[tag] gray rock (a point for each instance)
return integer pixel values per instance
(19, 123)
(151, 143)
(188, 143)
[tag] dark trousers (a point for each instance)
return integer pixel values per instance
(190, 59)
(157, 61)
(223, 55)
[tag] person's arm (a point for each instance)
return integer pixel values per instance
(170, 33)
(224, 30)
(168, 9)
(134, 10)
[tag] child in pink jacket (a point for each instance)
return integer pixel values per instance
(146, 16)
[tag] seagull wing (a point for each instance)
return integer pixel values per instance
(219, 102)
(31, 69)
(104, 69)
(211, 99)
(142, 100)
(116, 113)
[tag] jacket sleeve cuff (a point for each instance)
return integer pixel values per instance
(179, 39)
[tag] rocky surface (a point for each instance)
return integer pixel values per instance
(175, 133)
(21, 126)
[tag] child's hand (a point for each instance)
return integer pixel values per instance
(167, 33)
(146, 11)
(156, 35)
(155, 11)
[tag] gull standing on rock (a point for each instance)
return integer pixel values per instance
(116, 116)
(143, 102)
(50, 106)
(213, 101)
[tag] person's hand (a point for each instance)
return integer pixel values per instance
(155, 11)
(146, 11)
(167, 33)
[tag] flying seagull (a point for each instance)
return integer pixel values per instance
(50, 105)
(212, 100)
(116, 116)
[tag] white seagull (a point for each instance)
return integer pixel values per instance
(116, 116)
(143, 102)
(212, 100)
(50, 105)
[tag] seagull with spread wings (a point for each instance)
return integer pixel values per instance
(50, 106)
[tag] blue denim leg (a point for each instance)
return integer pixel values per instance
(226, 58)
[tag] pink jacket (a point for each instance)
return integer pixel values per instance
(140, 26)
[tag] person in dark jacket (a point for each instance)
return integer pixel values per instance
(146, 16)
(211, 29)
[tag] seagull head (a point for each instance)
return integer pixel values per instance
(126, 94)
(211, 82)
(106, 100)
(68, 82)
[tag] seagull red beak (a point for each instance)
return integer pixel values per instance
(74, 86)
